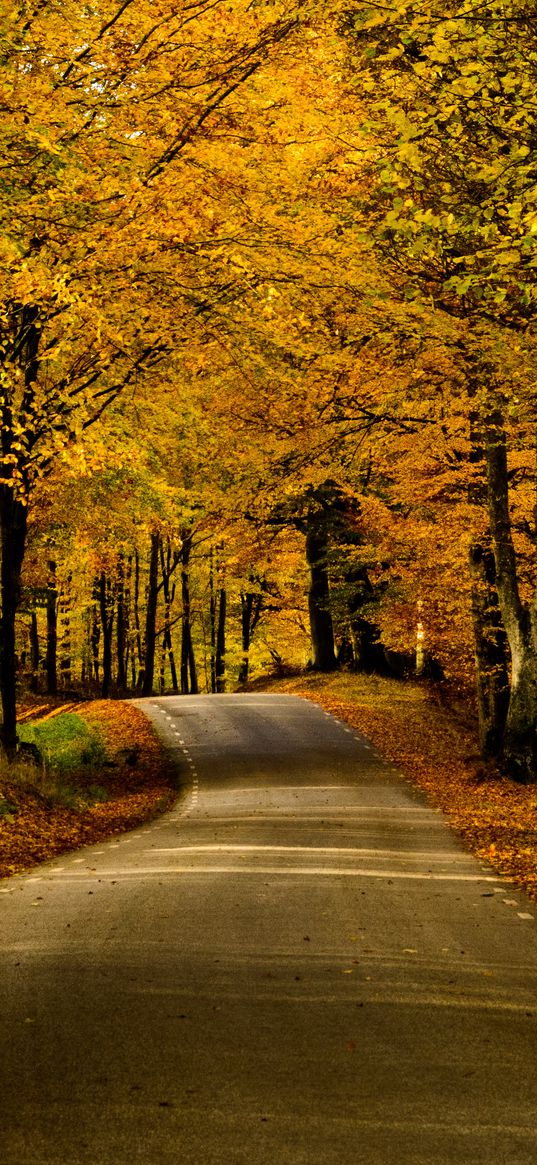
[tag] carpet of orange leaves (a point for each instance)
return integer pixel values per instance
(437, 751)
(39, 831)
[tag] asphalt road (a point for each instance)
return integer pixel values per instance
(298, 965)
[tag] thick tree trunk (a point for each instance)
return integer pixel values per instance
(490, 639)
(321, 626)
(52, 630)
(491, 653)
(21, 346)
(151, 618)
(520, 621)
(13, 523)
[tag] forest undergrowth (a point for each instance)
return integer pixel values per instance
(104, 772)
(435, 747)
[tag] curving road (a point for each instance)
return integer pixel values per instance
(298, 965)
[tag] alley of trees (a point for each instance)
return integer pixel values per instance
(267, 356)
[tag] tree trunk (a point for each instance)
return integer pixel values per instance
(64, 618)
(491, 653)
(220, 654)
(490, 639)
(520, 621)
(22, 348)
(106, 607)
(212, 618)
(251, 608)
(151, 618)
(34, 653)
(13, 523)
(189, 677)
(138, 633)
(122, 626)
(52, 631)
(321, 626)
(168, 565)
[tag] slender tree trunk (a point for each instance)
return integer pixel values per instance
(137, 681)
(212, 620)
(52, 630)
(64, 619)
(13, 523)
(151, 618)
(95, 632)
(220, 655)
(322, 630)
(34, 653)
(122, 627)
(168, 564)
(519, 618)
(106, 607)
(189, 676)
(251, 608)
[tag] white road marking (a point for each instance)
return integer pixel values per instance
(285, 871)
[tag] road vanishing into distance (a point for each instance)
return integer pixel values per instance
(297, 965)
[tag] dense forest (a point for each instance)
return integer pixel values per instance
(267, 348)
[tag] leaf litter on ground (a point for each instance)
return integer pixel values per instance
(128, 782)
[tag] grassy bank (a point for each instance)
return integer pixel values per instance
(437, 750)
(103, 771)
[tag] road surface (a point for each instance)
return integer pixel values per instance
(297, 965)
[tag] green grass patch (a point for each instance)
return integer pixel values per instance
(72, 752)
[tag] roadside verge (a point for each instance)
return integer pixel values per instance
(104, 772)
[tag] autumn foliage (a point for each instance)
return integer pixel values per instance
(267, 350)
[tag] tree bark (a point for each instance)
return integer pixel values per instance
(491, 653)
(34, 653)
(122, 626)
(251, 608)
(151, 618)
(106, 608)
(13, 523)
(189, 676)
(321, 626)
(52, 630)
(220, 654)
(212, 619)
(519, 751)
